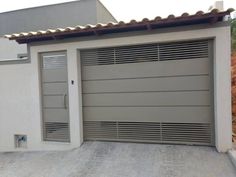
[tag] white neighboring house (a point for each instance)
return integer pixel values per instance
(156, 81)
(217, 5)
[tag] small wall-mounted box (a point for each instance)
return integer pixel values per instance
(20, 141)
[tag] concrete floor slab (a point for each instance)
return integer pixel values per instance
(232, 155)
(110, 159)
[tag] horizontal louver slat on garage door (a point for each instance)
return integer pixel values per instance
(149, 93)
(145, 53)
(183, 50)
(157, 132)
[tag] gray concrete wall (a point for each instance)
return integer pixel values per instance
(40, 18)
(103, 15)
(80, 12)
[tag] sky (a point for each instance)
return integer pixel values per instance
(131, 9)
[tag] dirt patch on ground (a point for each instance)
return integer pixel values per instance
(233, 74)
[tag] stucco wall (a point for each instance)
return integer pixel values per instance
(16, 102)
(20, 106)
(20, 91)
(10, 49)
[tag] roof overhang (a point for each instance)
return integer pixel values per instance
(101, 29)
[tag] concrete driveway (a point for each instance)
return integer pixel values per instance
(106, 159)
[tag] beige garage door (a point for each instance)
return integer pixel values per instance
(158, 93)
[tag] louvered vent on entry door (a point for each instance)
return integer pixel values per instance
(56, 131)
(54, 62)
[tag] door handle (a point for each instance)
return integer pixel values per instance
(65, 101)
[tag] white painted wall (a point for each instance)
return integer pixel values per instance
(10, 49)
(19, 107)
(20, 92)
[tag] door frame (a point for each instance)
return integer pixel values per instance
(40, 58)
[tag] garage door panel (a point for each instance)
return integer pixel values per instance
(148, 99)
(148, 114)
(148, 84)
(147, 69)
